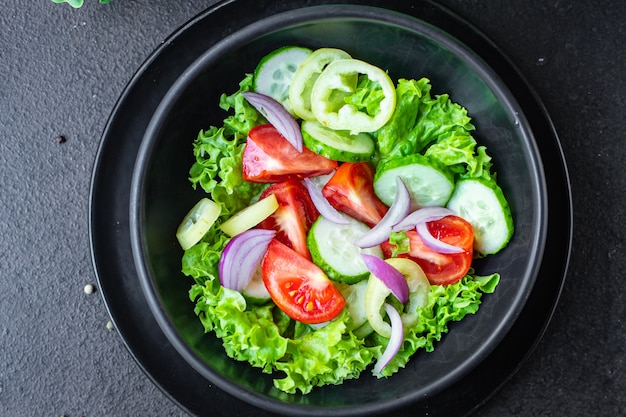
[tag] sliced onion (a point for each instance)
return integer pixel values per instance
(395, 340)
(389, 275)
(278, 116)
(434, 243)
(322, 205)
(241, 257)
(426, 214)
(398, 210)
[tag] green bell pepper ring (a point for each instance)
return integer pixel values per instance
(353, 95)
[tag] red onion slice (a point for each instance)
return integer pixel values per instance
(241, 257)
(434, 243)
(278, 116)
(395, 340)
(426, 214)
(389, 275)
(398, 210)
(322, 205)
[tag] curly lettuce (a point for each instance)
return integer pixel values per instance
(258, 335)
(367, 96)
(446, 303)
(307, 357)
(219, 151)
(201, 260)
(435, 127)
(458, 152)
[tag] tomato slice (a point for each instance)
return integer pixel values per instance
(293, 217)
(440, 268)
(269, 157)
(351, 190)
(298, 286)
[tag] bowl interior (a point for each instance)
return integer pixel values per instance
(407, 48)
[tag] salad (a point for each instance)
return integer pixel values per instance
(342, 216)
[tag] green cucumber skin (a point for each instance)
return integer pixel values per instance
(255, 292)
(353, 149)
(355, 302)
(422, 194)
(277, 56)
(338, 257)
(482, 203)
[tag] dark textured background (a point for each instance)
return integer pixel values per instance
(61, 71)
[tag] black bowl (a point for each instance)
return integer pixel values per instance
(407, 47)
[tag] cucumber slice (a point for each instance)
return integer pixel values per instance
(197, 222)
(332, 249)
(481, 202)
(355, 302)
(275, 71)
(255, 292)
(337, 145)
(363, 331)
(250, 216)
(428, 182)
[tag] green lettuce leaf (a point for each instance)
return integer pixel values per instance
(219, 151)
(258, 335)
(367, 96)
(458, 151)
(218, 169)
(397, 137)
(400, 243)
(201, 260)
(325, 356)
(438, 117)
(419, 119)
(245, 116)
(435, 127)
(247, 334)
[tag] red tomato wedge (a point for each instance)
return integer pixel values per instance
(441, 269)
(351, 190)
(293, 217)
(298, 286)
(269, 157)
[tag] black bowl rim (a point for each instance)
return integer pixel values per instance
(98, 174)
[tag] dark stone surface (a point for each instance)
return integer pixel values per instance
(61, 72)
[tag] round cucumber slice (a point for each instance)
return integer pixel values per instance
(197, 222)
(429, 183)
(275, 71)
(481, 202)
(255, 292)
(338, 145)
(332, 249)
(355, 302)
